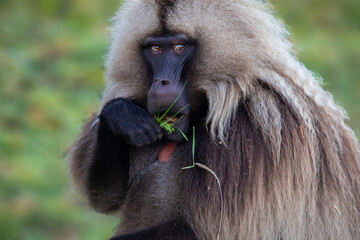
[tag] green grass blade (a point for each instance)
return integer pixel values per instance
(183, 134)
(180, 110)
(184, 168)
(157, 115)
(193, 152)
(164, 123)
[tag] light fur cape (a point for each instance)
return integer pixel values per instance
(306, 185)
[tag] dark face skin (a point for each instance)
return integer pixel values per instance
(168, 57)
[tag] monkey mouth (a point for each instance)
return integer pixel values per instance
(172, 119)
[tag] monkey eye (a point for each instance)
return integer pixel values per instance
(156, 49)
(179, 47)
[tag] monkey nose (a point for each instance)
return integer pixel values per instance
(162, 95)
(161, 82)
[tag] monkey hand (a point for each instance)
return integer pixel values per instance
(130, 122)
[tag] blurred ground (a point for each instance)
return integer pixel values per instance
(51, 78)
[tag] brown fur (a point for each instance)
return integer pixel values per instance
(288, 164)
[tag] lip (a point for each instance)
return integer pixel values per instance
(172, 120)
(176, 130)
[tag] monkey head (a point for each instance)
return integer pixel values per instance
(168, 58)
(289, 166)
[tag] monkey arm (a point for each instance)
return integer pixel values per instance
(99, 159)
(99, 166)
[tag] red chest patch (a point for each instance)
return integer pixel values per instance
(166, 152)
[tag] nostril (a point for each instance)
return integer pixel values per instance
(161, 82)
(164, 82)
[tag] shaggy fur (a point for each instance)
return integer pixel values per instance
(289, 165)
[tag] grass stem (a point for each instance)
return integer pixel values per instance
(200, 165)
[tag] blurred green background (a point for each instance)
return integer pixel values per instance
(51, 78)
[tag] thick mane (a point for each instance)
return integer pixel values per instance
(253, 44)
(290, 182)
(249, 43)
(301, 159)
(288, 163)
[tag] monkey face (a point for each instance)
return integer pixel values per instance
(168, 58)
